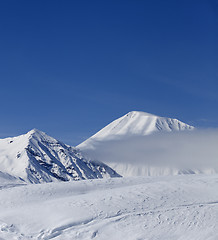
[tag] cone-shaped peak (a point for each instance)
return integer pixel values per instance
(36, 157)
(35, 132)
(136, 123)
(39, 136)
(140, 113)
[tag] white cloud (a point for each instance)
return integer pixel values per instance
(195, 149)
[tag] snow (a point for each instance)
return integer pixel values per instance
(36, 157)
(9, 180)
(104, 206)
(143, 144)
(135, 123)
(173, 207)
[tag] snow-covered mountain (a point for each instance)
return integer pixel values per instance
(128, 137)
(36, 157)
(135, 123)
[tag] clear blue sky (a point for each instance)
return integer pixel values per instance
(71, 67)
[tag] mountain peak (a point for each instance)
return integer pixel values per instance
(139, 113)
(36, 157)
(136, 123)
(35, 131)
(37, 135)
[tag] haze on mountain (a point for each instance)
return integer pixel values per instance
(36, 157)
(139, 143)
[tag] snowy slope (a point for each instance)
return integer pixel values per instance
(135, 123)
(36, 157)
(148, 208)
(6, 180)
(124, 138)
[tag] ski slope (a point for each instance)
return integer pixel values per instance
(142, 208)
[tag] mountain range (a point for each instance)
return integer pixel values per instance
(36, 157)
(170, 207)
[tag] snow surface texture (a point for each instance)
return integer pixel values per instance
(125, 145)
(35, 157)
(142, 208)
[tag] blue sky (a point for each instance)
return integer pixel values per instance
(71, 67)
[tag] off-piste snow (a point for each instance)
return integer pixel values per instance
(50, 190)
(146, 208)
